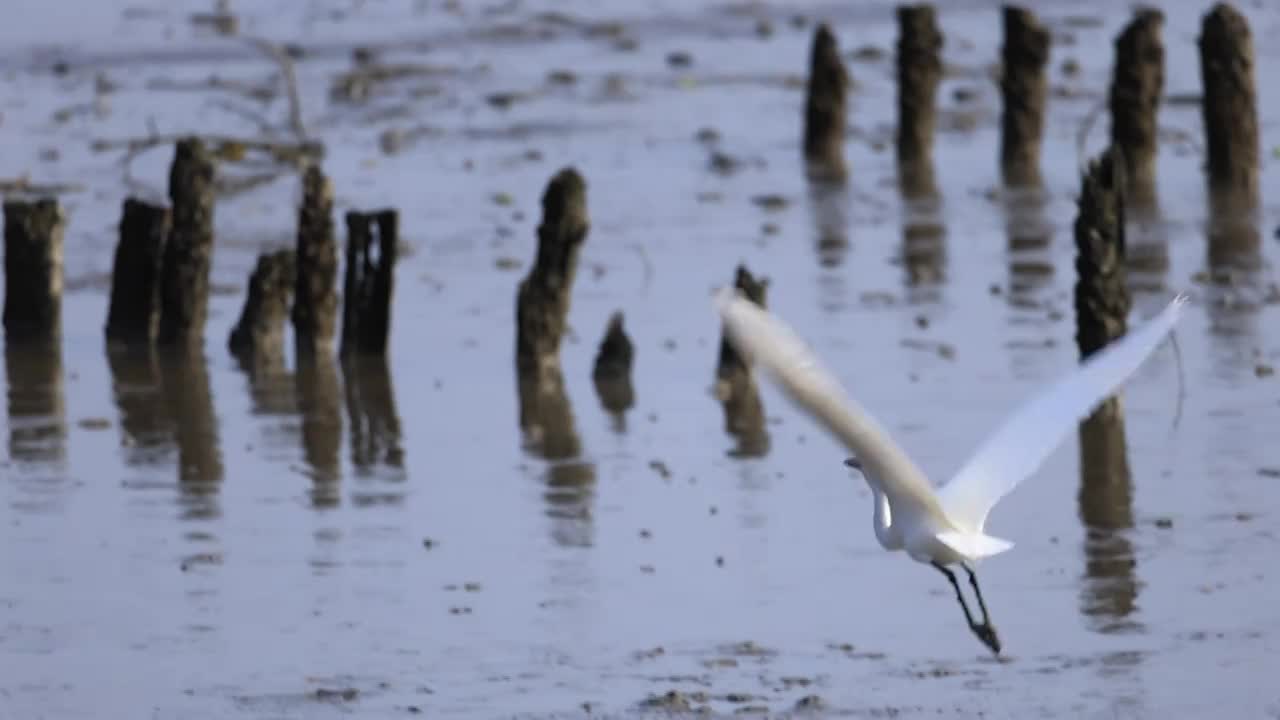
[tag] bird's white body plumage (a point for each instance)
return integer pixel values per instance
(944, 526)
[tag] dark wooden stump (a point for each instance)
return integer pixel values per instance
(315, 305)
(134, 315)
(1024, 88)
(33, 270)
(825, 109)
(372, 240)
(1101, 294)
(919, 72)
(1230, 106)
(735, 385)
(612, 371)
(188, 254)
(260, 331)
(542, 300)
(1136, 88)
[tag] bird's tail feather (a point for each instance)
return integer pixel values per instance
(974, 546)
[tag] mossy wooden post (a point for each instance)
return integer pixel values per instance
(825, 109)
(1136, 88)
(542, 309)
(315, 297)
(1101, 296)
(33, 271)
(919, 72)
(612, 370)
(370, 276)
(188, 253)
(260, 330)
(134, 315)
(736, 387)
(1024, 87)
(1230, 106)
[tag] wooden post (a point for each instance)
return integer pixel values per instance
(542, 300)
(612, 371)
(315, 304)
(735, 386)
(919, 72)
(134, 314)
(1024, 87)
(260, 331)
(1230, 105)
(1101, 296)
(184, 278)
(366, 311)
(1136, 88)
(33, 270)
(825, 109)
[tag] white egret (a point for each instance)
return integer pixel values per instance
(940, 527)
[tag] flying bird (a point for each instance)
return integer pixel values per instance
(941, 526)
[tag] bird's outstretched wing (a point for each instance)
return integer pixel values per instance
(1022, 443)
(766, 341)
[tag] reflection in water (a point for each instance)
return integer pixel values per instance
(546, 418)
(320, 404)
(1110, 591)
(735, 387)
(1030, 235)
(924, 248)
(1146, 250)
(184, 378)
(271, 385)
(375, 426)
(37, 418)
(1236, 288)
(829, 207)
(146, 430)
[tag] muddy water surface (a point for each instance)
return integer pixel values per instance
(199, 539)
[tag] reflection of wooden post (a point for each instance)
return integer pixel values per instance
(1136, 87)
(315, 304)
(146, 429)
(184, 279)
(320, 405)
(370, 274)
(32, 270)
(1101, 295)
(735, 386)
(37, 410)
(919, 72)
(371, 408)
(1024, 87)
(185, 379)
(612, 371)
(1230, 103)
(260, 331)
(134, 314)
(825, 108)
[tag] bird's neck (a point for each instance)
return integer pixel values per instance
(882, 520)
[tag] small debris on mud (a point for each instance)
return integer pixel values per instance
(679, 59)
(672, 701)
(868, 53)
(720, 663)
(719, 561)
(645, 533)
(650, 654)
(506, 262)
(811, 703)
(334, 695)
(648, 569)
(562, 77)
(1269, 472)
(770, 228)
(460, 610)
(1164, 523)
(771, 202)
(707, 136)
(1263, 370)
(94, 423)
(661, 468)
(428, 543)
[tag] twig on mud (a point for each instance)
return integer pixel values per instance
(23, 185)
(285, 62)
(225, 146)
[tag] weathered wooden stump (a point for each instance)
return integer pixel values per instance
(542, 308)
(1024, 87)
(188, 253)
(315, 303)
(260, 330)
(370, 276)
(735, 385)
(825, 109)
(134, 315)
(33, 270)
(919, 72)
(1230, 106)
(612, 371)
(1102, 300)
(1136, 88)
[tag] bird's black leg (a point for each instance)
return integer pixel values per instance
(983, 630)
(973, 580)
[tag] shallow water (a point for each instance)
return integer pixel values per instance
(201, 540)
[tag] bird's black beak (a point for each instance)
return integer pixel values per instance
(853, 463)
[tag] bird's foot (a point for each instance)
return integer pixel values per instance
(987, 634)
